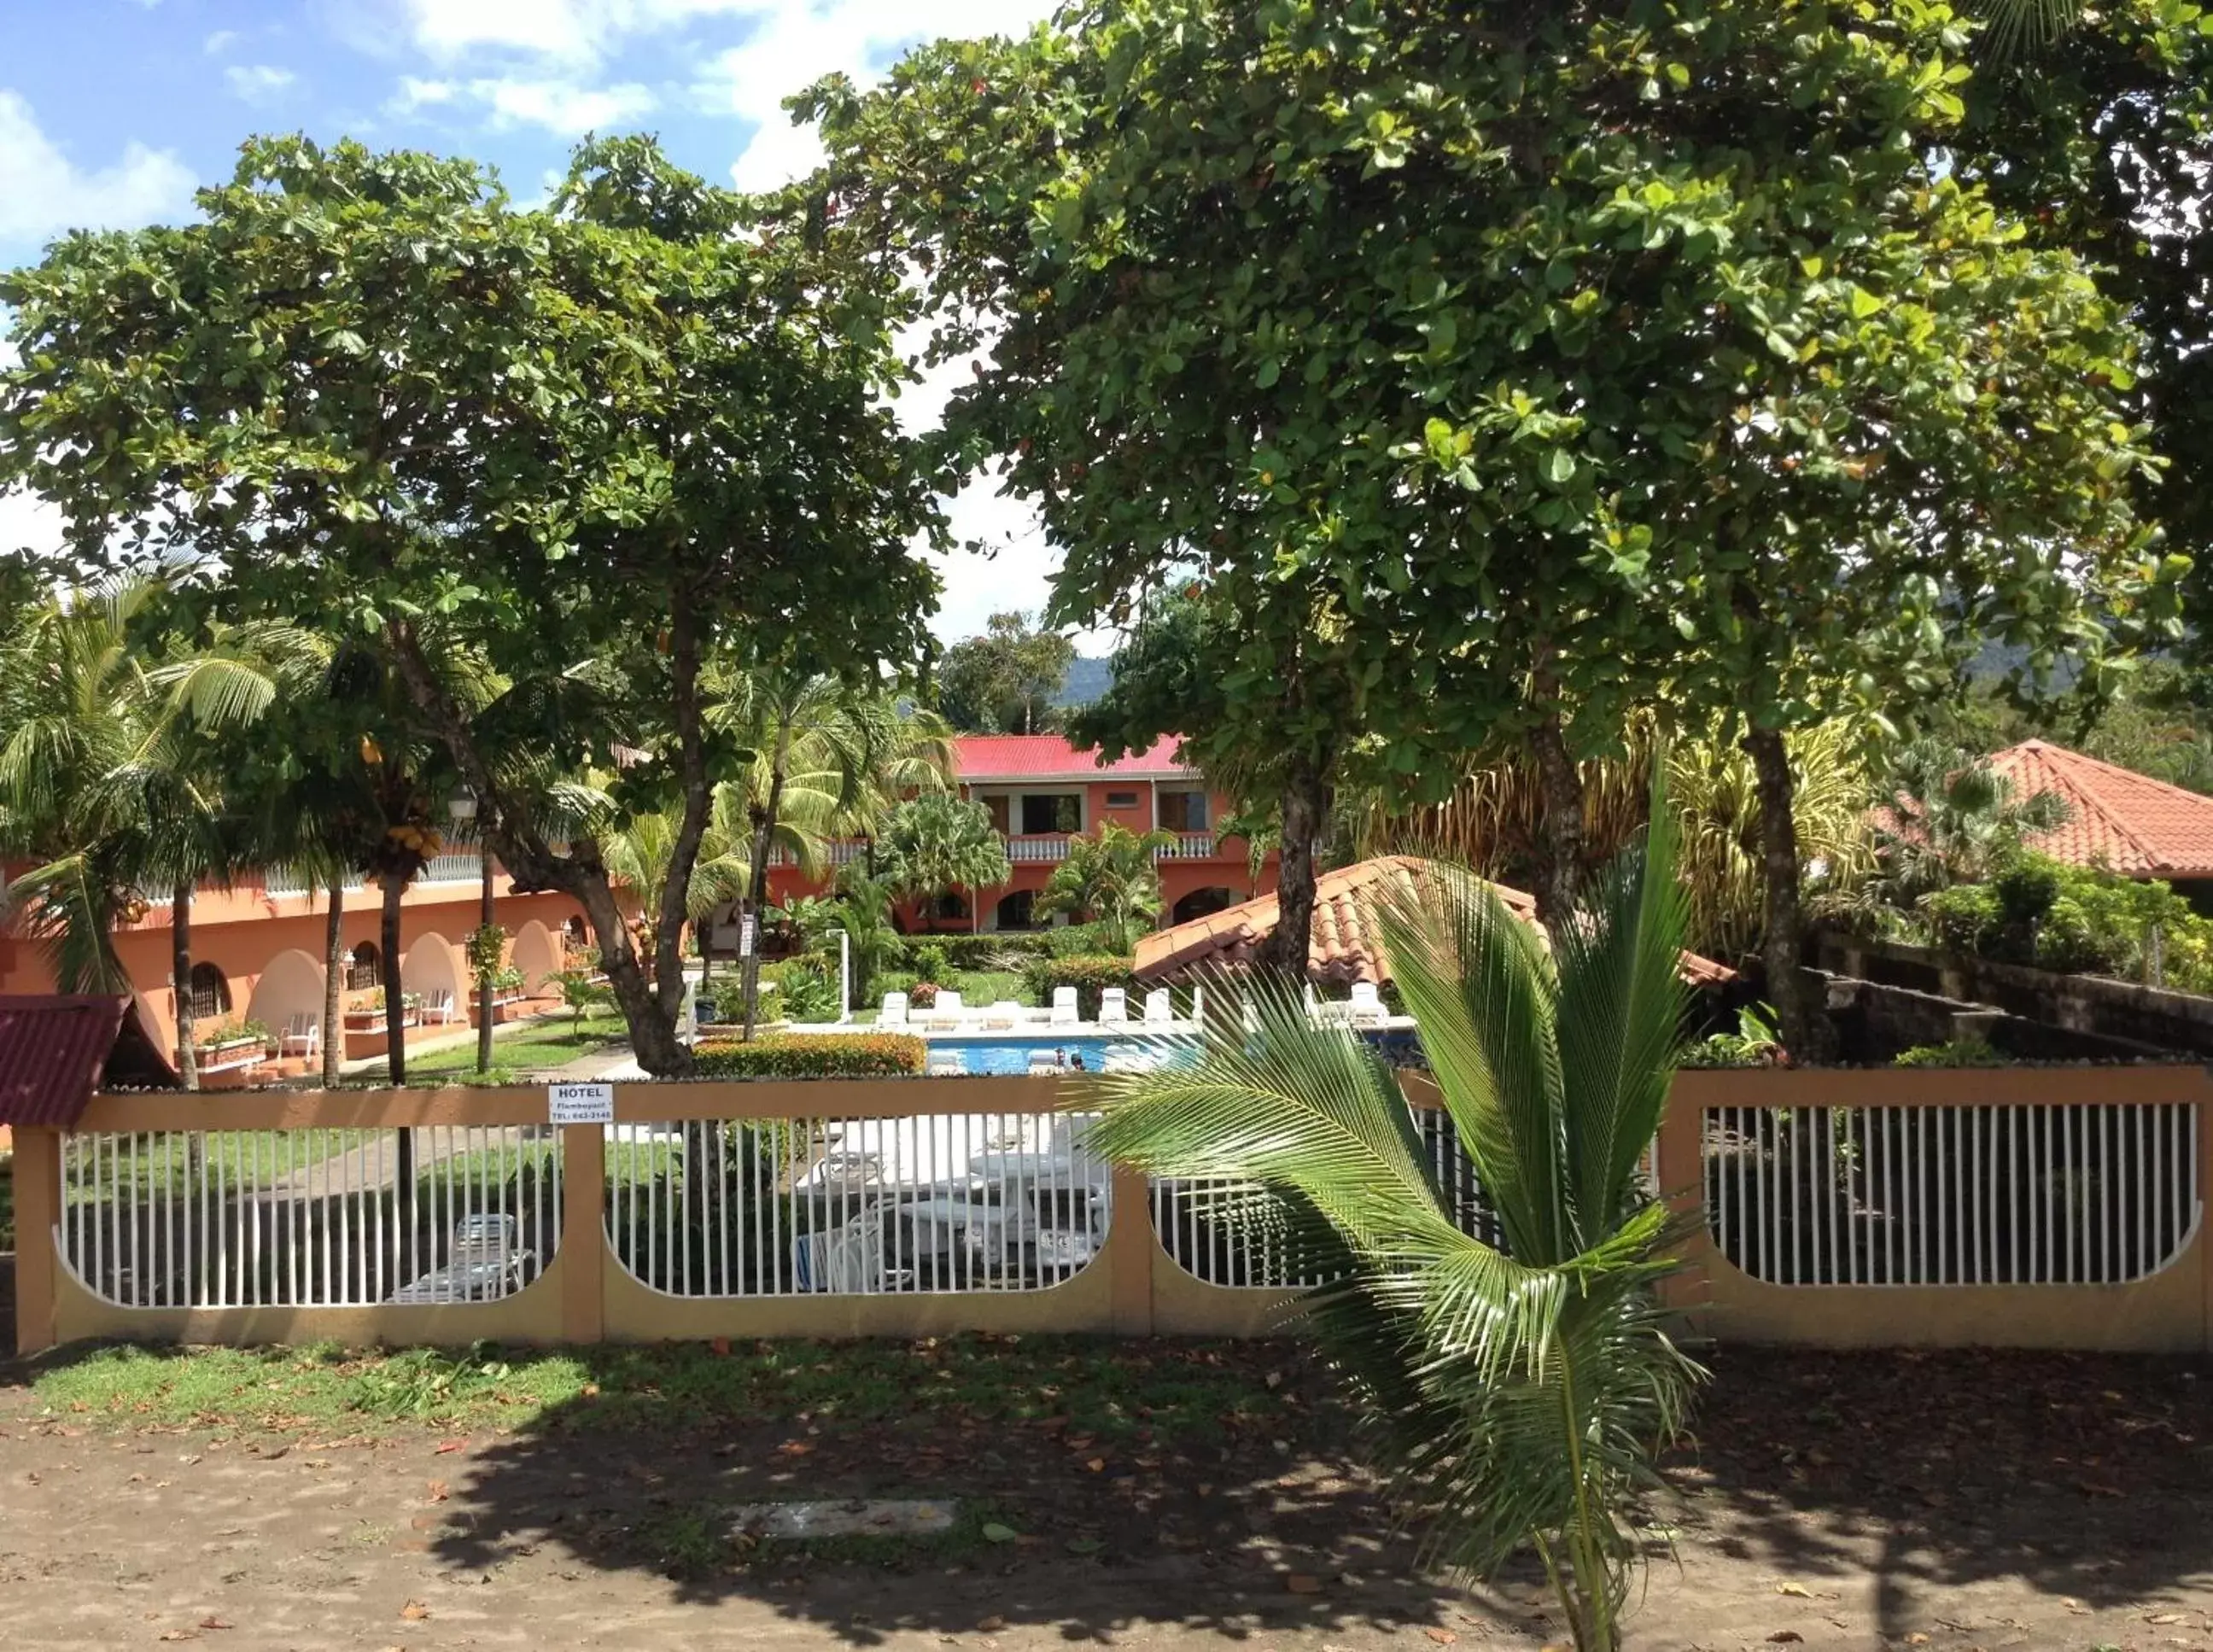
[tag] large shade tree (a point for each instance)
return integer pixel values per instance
(599, 444)
(1503, 367)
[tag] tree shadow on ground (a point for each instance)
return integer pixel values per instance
(2082, 1477)
(1155, 1498)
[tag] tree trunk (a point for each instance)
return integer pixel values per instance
(483, 980)
(1561, 842)
(334, 985)
(756, 877)
(181, 980)
(1305, 800)
(395, 1000)
(395, 1052)
(652, 1031)
(1781, 943)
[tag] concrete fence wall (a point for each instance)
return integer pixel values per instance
(2028, 1207)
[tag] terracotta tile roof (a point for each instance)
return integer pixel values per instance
(985, 758)
(1346, 944)
(52, 1050)
(2139, 826)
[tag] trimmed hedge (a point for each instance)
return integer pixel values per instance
(814, 1055)
(969, 952)
(1089, 975)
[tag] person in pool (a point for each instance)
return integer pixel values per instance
(1076, 1061)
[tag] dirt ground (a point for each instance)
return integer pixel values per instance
(1889, 1500)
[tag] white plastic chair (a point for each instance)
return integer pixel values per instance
(438, 1006)
(947, 1010)
(1064, 1006)
(1367, 1004)
(893, 1014)
(303, 1028)
(1160, 1008)
(1114, 1007)
(1004, 1014)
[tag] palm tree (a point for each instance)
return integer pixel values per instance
(1112, 878)
(1952, 819)
(937, 842)
(2011, 26)
(1516, 1393)
(824, 755)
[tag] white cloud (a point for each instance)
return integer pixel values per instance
(258, 82)
(795, 42)
(558, 105)
(576, 30)
(43, 192)
(222, 40)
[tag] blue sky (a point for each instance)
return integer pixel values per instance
(111, 111)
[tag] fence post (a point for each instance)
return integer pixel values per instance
(583, 1248)
(1130, 1253)
(2204, 1246)
(38, 1214)
(1679, 1174)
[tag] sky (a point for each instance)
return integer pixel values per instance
(112, 112)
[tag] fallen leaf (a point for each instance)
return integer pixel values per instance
(721, 1346)
(995, 1533)
(1917, 1638)
(178, 1634)
(414, 1612)
(213, 1623)
(437, 1491)
(1783, 1637)
(1798, 1589)
(1096, 1464)
(1302, 1583)
(1442, 1637)
(1092, 1545)
(589, 1390)
(991, 1624)
(446, 1447)
(2163, 1617)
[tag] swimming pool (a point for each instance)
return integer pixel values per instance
(1009, 1052)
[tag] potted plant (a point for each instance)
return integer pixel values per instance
(226, 1042)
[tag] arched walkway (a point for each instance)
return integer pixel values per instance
(536, 954)
(291, 984)
(434, 963)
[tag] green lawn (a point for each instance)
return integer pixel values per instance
(1113, 1390)
(522, 1050)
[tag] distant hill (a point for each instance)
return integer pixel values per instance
(1086, 679)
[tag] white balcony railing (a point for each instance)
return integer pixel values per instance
(454, 869)
(287, 882)
(1188, 846)
(1051, 847)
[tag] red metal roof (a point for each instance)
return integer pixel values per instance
(1346, 945)
(987, 757)
(2138, 826)
(52, 1050)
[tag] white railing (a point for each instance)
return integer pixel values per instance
(1188, 846)
(1219, 1232)
(452, 869)
(839, 851)
(915, 1204)
(310, 1217)
(2013, 1195)
(1040, 847)
(286, 882)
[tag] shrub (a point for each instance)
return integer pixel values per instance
(801, 989)
(922, 995)
(2074, 919)
(929, 960)
(1755, 1044)
(1960, 1053)
(974, 952)
(813, 1055)
(1079, 940)
(1090, 974)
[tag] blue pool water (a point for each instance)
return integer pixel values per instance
(1003, 1053)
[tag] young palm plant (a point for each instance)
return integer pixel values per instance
(1516, 1392)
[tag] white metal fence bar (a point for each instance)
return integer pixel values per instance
(2002, 1195)
(897, 1206)
(318, 1217)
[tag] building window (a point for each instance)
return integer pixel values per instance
(1121, 800)
(361, 967)
(1183, 811)
(1199, 903)
(1017, 911)
(998, 808)
(949, 907)
(1045, 812)
(210, 992)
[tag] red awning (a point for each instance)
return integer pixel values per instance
(53, 1052)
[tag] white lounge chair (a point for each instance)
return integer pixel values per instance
(893, 1014)
(947, 1010)
(1114, 1007)
(1160, 1008)
(1367, 1005)
(302, 1035)
(1006, 1012)
(1063, 1007)
(438, 1006)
